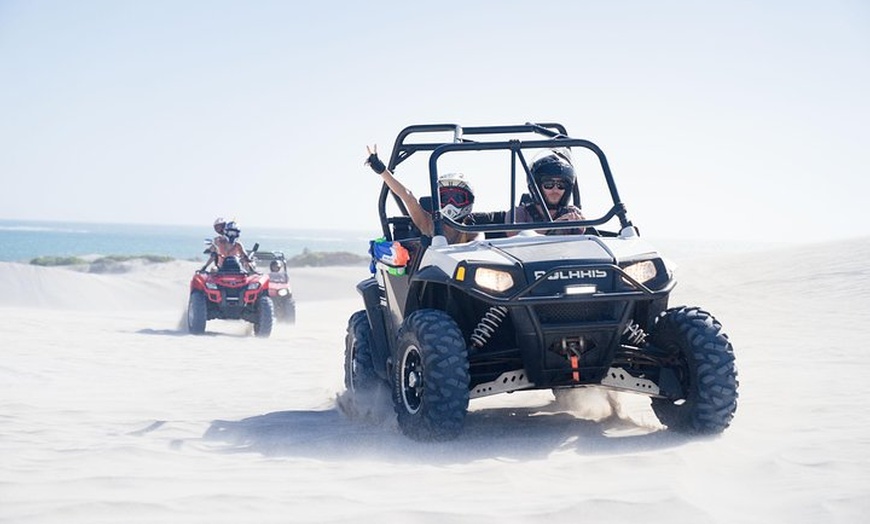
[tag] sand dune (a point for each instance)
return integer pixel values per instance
(111, 413)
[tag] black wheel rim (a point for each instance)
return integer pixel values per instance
(354, 367)
(412, 379)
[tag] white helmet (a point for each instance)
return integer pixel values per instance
(219, 224)
(232, 231)
(457, 197)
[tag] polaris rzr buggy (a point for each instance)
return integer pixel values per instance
(518, 310)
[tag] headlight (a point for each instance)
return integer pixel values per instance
(283, 292)
(211, 285)
(254, 285)
(493, 279)
(641, 271)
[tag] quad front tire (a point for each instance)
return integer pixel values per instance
(431, 377)
(197, 313)
(265, 317)
(702, 360)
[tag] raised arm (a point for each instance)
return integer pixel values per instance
(421, 218)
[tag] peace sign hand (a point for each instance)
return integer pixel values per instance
(373, 161)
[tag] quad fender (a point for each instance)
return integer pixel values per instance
(197, 283)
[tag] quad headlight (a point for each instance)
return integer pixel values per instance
(493, 279)
(254, 285)
(211, 285)
(283, 292)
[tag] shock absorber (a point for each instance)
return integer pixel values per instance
(633, 334)
(491, 320)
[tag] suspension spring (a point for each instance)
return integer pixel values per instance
(491, 320)
(634, 334)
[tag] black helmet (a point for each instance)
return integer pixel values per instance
(232, 231)
(554, 164)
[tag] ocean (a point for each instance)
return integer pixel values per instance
(24, 240)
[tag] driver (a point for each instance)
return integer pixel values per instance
(277, 272)
(457, 200)
(554, 176)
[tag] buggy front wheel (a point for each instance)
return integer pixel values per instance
(702, 361)
(430, 376)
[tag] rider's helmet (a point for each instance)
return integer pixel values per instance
(275, 266)
(555, 165)
(457, 197)
(219, 224)
(232, 231)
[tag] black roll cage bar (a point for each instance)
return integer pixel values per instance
(553, 136)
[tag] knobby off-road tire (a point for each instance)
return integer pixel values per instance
(265, 317)
(290, 312)
(430, 377)
(285, 310)
(197, 313)
(359, 371)
(703, 360)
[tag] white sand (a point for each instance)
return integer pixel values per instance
(109, 412)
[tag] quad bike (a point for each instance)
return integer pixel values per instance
(516, 309)
(230, 292)
(279, 284)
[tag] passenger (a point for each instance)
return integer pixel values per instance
(219, 225)
(211, 250)
(554, 177)
(457, 200)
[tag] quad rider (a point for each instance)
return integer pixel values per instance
(227, 244)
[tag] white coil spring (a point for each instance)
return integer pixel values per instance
(491, 320)
(633, 334)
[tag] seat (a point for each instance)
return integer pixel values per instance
(230, 265)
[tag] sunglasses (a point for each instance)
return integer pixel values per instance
(550, 184)
(456, 196)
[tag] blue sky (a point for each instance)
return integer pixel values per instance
(724, 120)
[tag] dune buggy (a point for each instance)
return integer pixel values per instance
(280, 289)
(519, 310)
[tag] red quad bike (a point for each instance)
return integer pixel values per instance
(230, 293)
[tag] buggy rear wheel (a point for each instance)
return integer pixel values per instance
(702, 360)
(359, 370)
(431, 378)
(197, 313)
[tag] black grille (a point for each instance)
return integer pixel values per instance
(578, 312)
(232, 294)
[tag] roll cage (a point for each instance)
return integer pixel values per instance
(514, 138)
